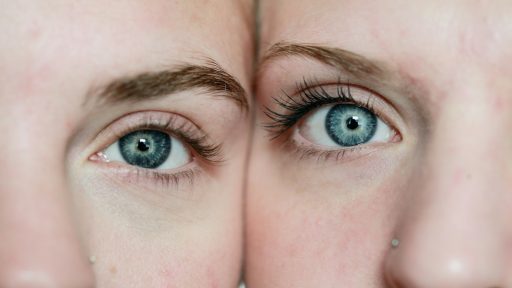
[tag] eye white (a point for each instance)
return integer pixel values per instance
(314, 130)
(178, 156)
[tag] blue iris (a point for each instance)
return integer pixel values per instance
(145, 148)
(350, 125)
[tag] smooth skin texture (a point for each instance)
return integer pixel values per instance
(60, 207)
(442, 188)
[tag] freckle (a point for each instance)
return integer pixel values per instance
(34, 33)
(113, 270)
(469, 176)
(499, 104)
(69, 124)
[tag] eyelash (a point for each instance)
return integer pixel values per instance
(311, 96)
(193, 137)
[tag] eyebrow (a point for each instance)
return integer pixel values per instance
(350, 62)
(150, 85)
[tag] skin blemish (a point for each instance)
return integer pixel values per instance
(168, 278)
(113, 270)
(458, 177)
(499, 104)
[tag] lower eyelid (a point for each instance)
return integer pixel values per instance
(148, 179)
(320, 154)
(300, 141)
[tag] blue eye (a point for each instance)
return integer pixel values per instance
(350, 125)
(344, 125)
(151, 149)
(146, 148)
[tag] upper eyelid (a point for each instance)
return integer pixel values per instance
(352, 64)
(407, 90)
(140, 120)
(378, 103)
(305, 94)
(120, 126)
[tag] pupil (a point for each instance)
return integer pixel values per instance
(352, 123)
(143, 145)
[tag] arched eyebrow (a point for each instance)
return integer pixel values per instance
(155, 84)
(356, 65)
(350, 62)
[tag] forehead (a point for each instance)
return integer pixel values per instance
(44, 37)
(124, 20)
(430, 39)
(317, 20)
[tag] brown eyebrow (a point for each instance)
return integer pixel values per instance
(332, 56)
(355, 64)
(150, 85)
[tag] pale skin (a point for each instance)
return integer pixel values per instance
(69, 217)
(442, 186)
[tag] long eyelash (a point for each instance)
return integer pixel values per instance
(201, 144)
(311, 96)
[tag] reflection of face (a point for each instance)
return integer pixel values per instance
(393, 123)
(114, 118)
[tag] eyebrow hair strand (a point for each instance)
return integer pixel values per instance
(149, 85)
(335, 57)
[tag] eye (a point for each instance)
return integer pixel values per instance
(344, 125)
(151, 149)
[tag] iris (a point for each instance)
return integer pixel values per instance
(350, 125)
(145, 148)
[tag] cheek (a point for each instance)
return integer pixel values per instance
(327, 244)
(151, 263)
(322, 226)
(206, 273)
(146, 246)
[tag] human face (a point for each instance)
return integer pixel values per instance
(330, 192)
(76, 78)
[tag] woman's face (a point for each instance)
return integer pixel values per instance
(124, 128)
(384, 120)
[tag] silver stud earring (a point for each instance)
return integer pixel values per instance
(395, 243)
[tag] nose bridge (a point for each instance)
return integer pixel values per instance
(452, 227)
(40, 246)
